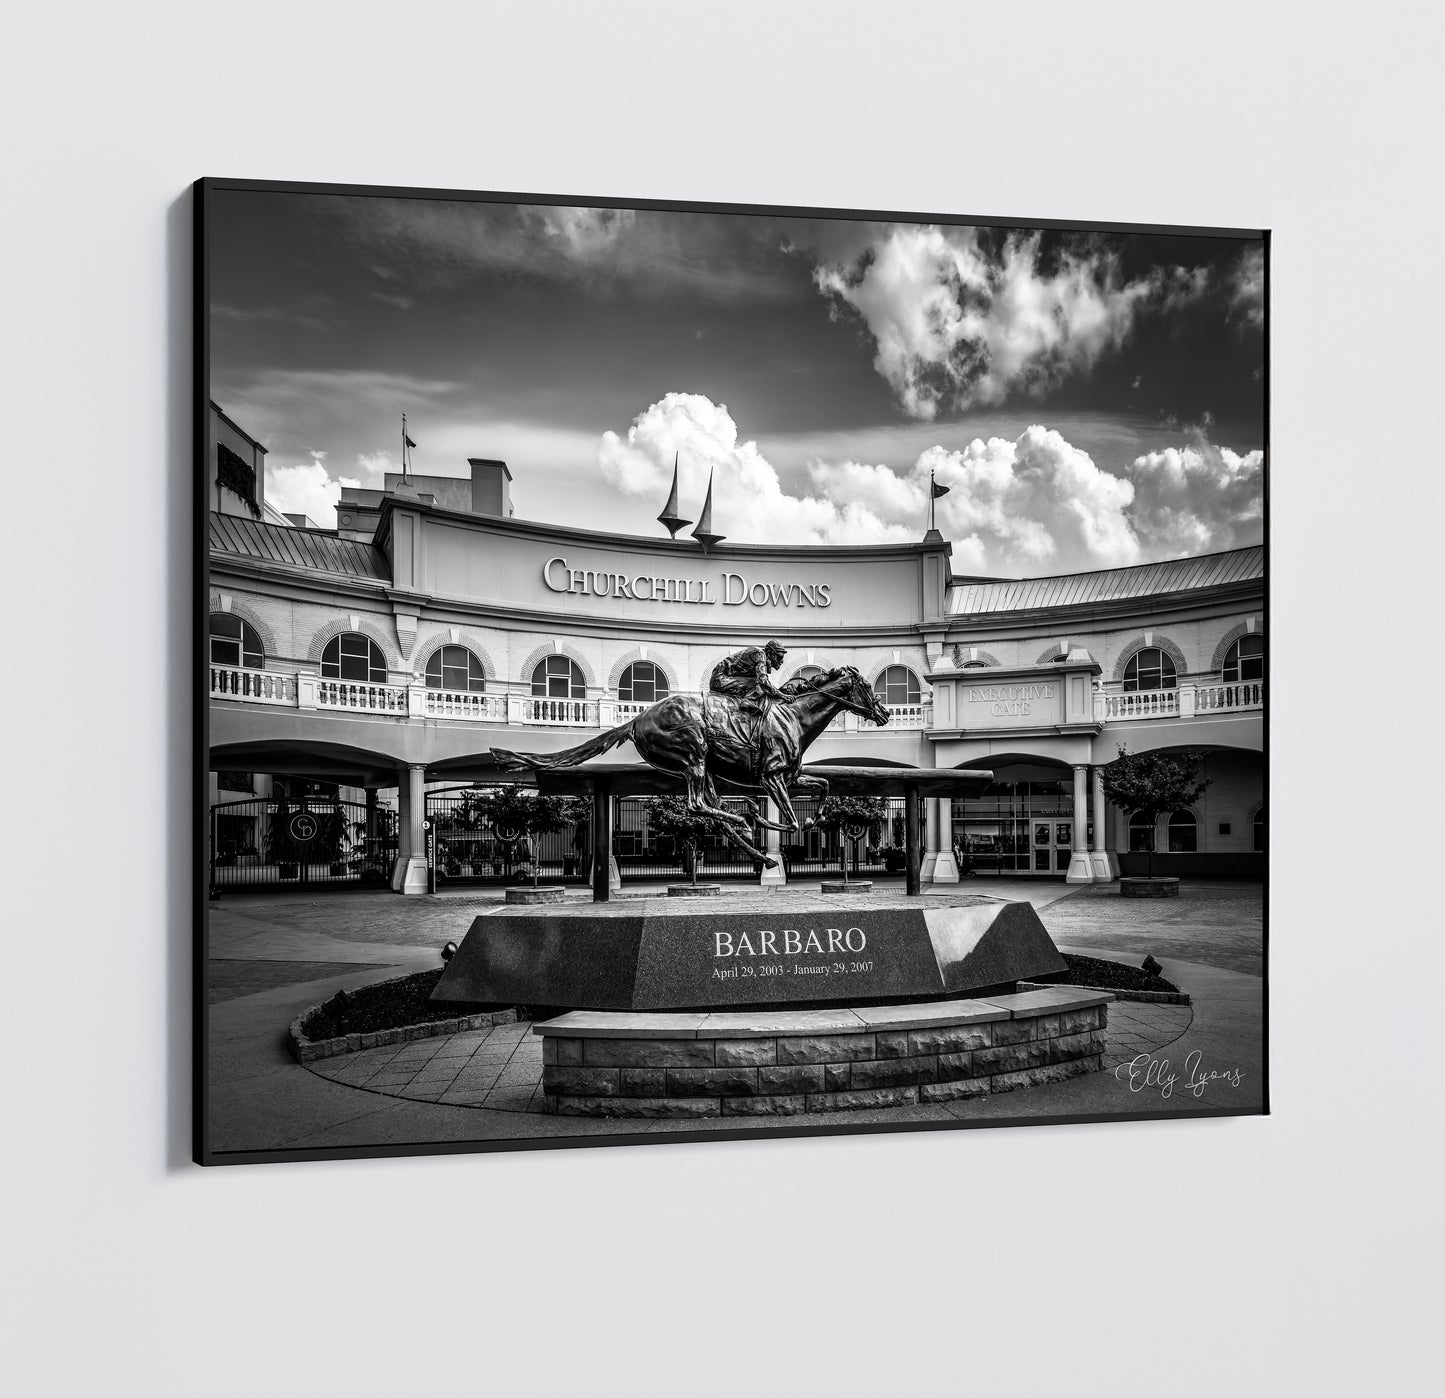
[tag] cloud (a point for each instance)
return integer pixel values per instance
(308, 488)
(749, 500)
(1033, 505)
(304, 488)
(648, 253)
(221, 311)
(402, 303)
(1246, 288)
(960, 319)
(1197, 499)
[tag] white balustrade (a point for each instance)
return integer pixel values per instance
(1143, 703)
(463, 704)
(909, 715)
(355, 696)
(1217, 698)
(252, 686)
(628, 708)
(1190, 700)
(567, 713)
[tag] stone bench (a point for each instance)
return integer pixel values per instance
(788, 1062)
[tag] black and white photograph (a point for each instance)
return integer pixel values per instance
(682, 671)
(719, 700)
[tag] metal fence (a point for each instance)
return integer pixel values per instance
(641, 855)
(470, 850)
(320, 842)
(300, 842)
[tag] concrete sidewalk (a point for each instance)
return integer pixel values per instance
(262, 1100)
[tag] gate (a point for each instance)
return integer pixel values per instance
(300, 842)
(469, 850)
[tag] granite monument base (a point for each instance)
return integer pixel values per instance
(851, 886)
(746, 951)
(694, 890)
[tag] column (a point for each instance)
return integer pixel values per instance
(606, 878)
(946, 870)
(409, 874)
(911, 839)
(930, 840)
(773, 878)
(1103, 862)
(1079, 870)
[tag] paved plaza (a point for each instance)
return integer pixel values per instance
(272, 957)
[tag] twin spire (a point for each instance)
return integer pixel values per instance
(674, 521)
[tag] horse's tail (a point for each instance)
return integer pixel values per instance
(568, 757)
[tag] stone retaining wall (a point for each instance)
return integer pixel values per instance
(792, 1062)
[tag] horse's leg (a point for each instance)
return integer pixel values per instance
(776, 784)
(699, 789)
(734, 837)
(702, 796)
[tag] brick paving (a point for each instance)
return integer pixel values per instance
(498, 1068)
(1213, 924)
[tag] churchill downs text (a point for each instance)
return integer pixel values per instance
(795, 942)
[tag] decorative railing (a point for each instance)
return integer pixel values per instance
(569, 713)
(253, 686)
(1218, 698)
(362, 698)
(456, 703)
(627, 709)
(1188, 701)
(909, 715)
(1143, 703)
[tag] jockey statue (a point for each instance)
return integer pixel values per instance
(746, 677)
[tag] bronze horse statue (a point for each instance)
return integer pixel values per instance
(706, 739)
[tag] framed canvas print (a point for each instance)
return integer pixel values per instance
(696, 671)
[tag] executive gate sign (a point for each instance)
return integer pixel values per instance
(659, 959)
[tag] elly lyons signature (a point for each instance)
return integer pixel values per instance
(1146, 1071)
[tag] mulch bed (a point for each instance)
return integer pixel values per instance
(385, 1006)
(1097, 974)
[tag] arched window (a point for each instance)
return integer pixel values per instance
(235, 642)
(898, 685)
(352, 656)
(1183, 833)
(1244, 660)
(1141, 834)
(455, 667)
(558, 677)
(642, 682)
(1150, 668)
(1259, 831)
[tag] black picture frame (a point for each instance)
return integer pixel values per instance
(204, 194)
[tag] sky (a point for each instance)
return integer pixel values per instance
(1089, 400)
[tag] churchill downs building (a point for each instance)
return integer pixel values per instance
(359, 676)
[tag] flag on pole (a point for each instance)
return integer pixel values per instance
(939, 491)
(409, 441)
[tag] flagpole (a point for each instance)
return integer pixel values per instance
(403, 446)
(932, 499)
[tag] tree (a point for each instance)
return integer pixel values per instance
(1152, 783)
(850, 816)
(526, 812)
(669, 818)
